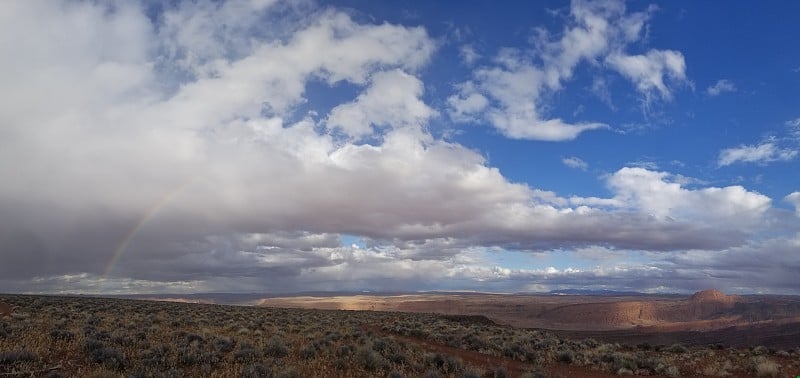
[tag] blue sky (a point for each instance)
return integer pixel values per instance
(271, 146)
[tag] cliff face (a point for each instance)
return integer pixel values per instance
(702, 305)
(606, 314)
(708, 303)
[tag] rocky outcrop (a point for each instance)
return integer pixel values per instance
(604, 314)
(707, 304)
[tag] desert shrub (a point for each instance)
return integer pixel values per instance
(515, 351)
(256, 371)
(308, 352)
(188, 356)
(649, 363)
(276, 348)
(5, 330)
(53, 374)
(102, 373)
(473, 342)
(223, 344)
(668, 370)
(61, 335)
(397, 358)
(591, 343)
(717, 370)
(154, 357)
(760, 350)
(534, 374)
(623, 360)
(345, 350)
(93, 320)
(121, 339)
(340, 363)
(678, 348)
(453, 341)
(90, 345)
(192, 337)
(472, 373)
(565, 356)
(289, 372)
(171, 373)
(452, 364)
(767, 369)
(14, 356)
(102, 335)
(109, 357)
(497, 372)
(379, 345)
(368, 359)
(624, 371)
(246, 354)
(434, 359)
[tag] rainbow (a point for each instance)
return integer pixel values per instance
(149, 214)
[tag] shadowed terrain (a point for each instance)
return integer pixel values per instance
(706, 317)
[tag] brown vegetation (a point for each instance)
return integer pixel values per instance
(84, 336)
(5, 309)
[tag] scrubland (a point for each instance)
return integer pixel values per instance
(101, 337)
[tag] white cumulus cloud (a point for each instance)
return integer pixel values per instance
(762, 153)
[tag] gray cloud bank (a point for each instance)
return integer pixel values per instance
(167, 153)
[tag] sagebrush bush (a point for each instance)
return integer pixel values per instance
(14, 356)
(767, 369)
(276, 347)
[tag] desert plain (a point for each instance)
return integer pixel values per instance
(468, 335)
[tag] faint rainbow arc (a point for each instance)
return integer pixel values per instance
(150, 213)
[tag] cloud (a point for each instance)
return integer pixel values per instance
(648, 71)
(794, 128)
(516, 90)
(767, 264)
(512, 91)
(646, 164)
(468, 54)
(721, 86)
(462, 108)
(163, 153)
(392, 100)
(794, 199)
(575, 162)
(657, 194)
(763, 153)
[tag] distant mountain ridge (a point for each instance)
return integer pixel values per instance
(594, 292)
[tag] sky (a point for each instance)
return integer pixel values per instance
(286, 146)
